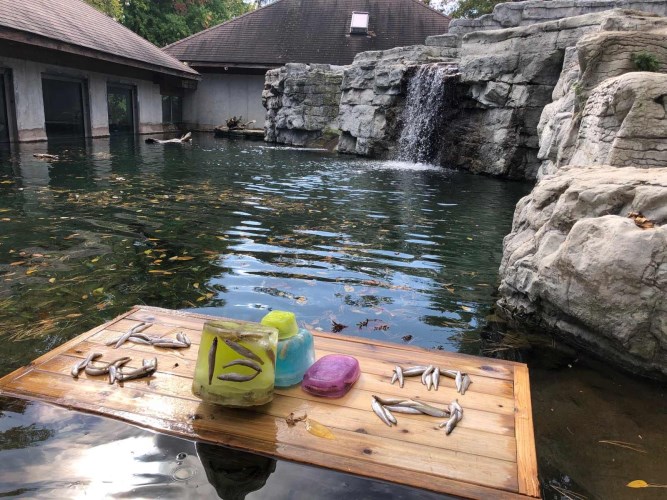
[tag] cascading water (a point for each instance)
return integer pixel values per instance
(422, 115)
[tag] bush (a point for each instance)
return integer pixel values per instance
(645, 61)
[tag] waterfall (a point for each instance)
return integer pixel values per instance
(422, 115)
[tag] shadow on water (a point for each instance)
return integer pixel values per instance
(386, 250)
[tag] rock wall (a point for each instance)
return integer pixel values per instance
(576, 265)
(513, 14)
(373, 95)
(301, 102)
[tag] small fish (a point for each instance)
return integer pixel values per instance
(139, 340)
(435, 376)
(429, 381)
(448, 373)
(403, 409)
(211, 359)
(237, 377)
(379, 411)
(459, 381)
(169, 344)
(389, 401)
(271, 355)
(244, 362)
(181, 337)
(135, 329)
(143, 371)
(426, 373)
(394, 377)
(391, 418)
(454, 406)
(113, 373)
(413, 371)
(76, 369)
(451, 423)
(425, 408)
(243, 351)
(399, 373)
(465, 383)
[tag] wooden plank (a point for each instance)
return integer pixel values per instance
(190, 415)
(489, 455)
(525, 438)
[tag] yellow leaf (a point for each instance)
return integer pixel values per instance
(98, 291)
(469, 238)
(52, 280)
(7, 182)
(301, 300)
(157, 261)
(30, 271)
(637, 483)
(162, 255)
(195, 285)
(466, 308)
(159, 271)
(95, 260)
(73, 315)
(17, 263)
(184, 257)
(221, 237)
(84, 296)
(203, 297)
(148, 252)
(71, 236)
(319, 430)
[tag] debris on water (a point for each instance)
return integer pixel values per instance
(337, 327)
(406, 338)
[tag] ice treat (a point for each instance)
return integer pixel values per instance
(331, 376)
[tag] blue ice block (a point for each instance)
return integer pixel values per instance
(294, 356)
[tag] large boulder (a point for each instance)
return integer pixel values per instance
(575, 264)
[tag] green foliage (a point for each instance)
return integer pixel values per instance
(646, 61)
(165, 21)
(474, 8)
(112, 8)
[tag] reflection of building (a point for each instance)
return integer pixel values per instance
(68, 70)
(234, 56)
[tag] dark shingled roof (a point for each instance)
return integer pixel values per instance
(76, 23)
(309, 31)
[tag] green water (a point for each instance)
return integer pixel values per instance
(392, 251)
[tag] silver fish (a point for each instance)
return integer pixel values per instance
(399, 372)
(211, 359)
(136, 329)
(413, 371)
(429, 381)
(181, 337)
(424, 408)
(435, 376)
(390, 417)
(143, 371)
(465, 383)
(459, 381)
(243, 351)
(389, 401)
(237, 377)
(379, 411)
(448, 373)
(394, 377)
(169, 344)
(451, 423)
(454, 406)
(271, 355)
(244, 362)
(76, 369)
(103, 370)
(403, 409)
(113, 372)
(426, 373)
(139, 340)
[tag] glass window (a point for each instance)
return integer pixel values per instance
(172, 109)
(63, 107)
(120, 102)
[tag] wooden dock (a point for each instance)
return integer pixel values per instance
(490, 454)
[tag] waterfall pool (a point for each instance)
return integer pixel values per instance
(395, 251)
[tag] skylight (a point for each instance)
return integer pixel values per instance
(359, 23)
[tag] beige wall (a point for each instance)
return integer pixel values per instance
(29, 104)
(219, 97)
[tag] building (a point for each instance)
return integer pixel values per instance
(234, 56)
(68, 70)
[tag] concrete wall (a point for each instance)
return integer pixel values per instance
(219, 97)
(29, 104)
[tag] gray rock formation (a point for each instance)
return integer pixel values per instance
(373, 94)
(513, 14)
(604, 111)
(576, 265)
(301, 101)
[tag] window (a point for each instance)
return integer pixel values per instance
(359, 23)
(172, 109)
(120, 103)
(65, 113)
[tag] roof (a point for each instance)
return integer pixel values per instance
(309, 31)
(75, 23)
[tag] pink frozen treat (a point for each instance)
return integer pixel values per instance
(331, 376)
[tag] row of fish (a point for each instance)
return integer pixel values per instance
(114, 368)
(134, 335)
(385, 408)
(252, 361)
(430, 376)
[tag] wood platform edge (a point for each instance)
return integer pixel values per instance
(525, 436)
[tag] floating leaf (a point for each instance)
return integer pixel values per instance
(319, 430)
(348, 288)
(181, 257)
(32, 270)
(95, 260)
(195, 285)
(17, 263)
(52, 280)
(301, 300)
(73, 315)
(466, 308)
(71, 236)
(159, 271)
(148, 252)
(98, 291)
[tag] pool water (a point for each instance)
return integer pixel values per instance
(386, 250)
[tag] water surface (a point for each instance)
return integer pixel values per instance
(386, 250)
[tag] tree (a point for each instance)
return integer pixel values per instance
(112, 8)
(474, 8)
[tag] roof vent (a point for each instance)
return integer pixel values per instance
(359, 23)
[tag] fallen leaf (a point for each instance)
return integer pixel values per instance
(195, 285)
(348, 288)
(98, 291)
(319, 430)
(52, 280)
(181, 257)
(337, 327)
(30, 271)
(95, 260)
(292, 420)
(71, 236)
(73, 315)
(301, 300)
(17, 263)
(637, 483)
(159, 271)
(466, 308)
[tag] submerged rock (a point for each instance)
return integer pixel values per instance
(577, 266)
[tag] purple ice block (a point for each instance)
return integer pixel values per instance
(331, 376)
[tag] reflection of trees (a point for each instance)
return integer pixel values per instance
(23, 436)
